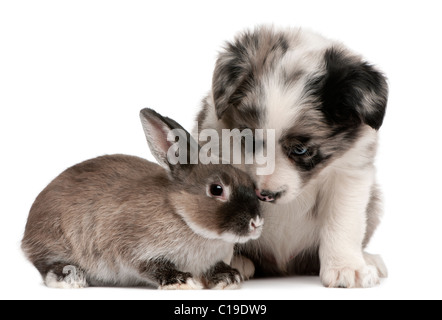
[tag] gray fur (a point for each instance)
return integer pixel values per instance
(318, 94)
(125, 221)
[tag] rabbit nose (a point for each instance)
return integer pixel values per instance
(256, 223)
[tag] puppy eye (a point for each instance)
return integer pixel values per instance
(299, 150)
(216, 190)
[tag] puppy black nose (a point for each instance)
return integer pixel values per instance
(267, 196)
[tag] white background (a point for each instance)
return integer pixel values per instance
(74, 75)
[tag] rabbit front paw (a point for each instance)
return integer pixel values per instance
(223, 277)
(181, 281)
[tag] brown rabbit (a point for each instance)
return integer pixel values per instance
(124, 221)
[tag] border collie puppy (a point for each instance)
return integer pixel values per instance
(326, 105)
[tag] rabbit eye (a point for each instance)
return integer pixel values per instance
(216, 190)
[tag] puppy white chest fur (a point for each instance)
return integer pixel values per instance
(291, 228)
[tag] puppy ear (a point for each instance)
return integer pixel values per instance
(352, 91)
(242, 63)
(229, 82)
(168, 141)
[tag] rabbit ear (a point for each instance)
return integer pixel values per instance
(173, 147)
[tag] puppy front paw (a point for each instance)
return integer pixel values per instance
(244, 265)
(350, 277)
